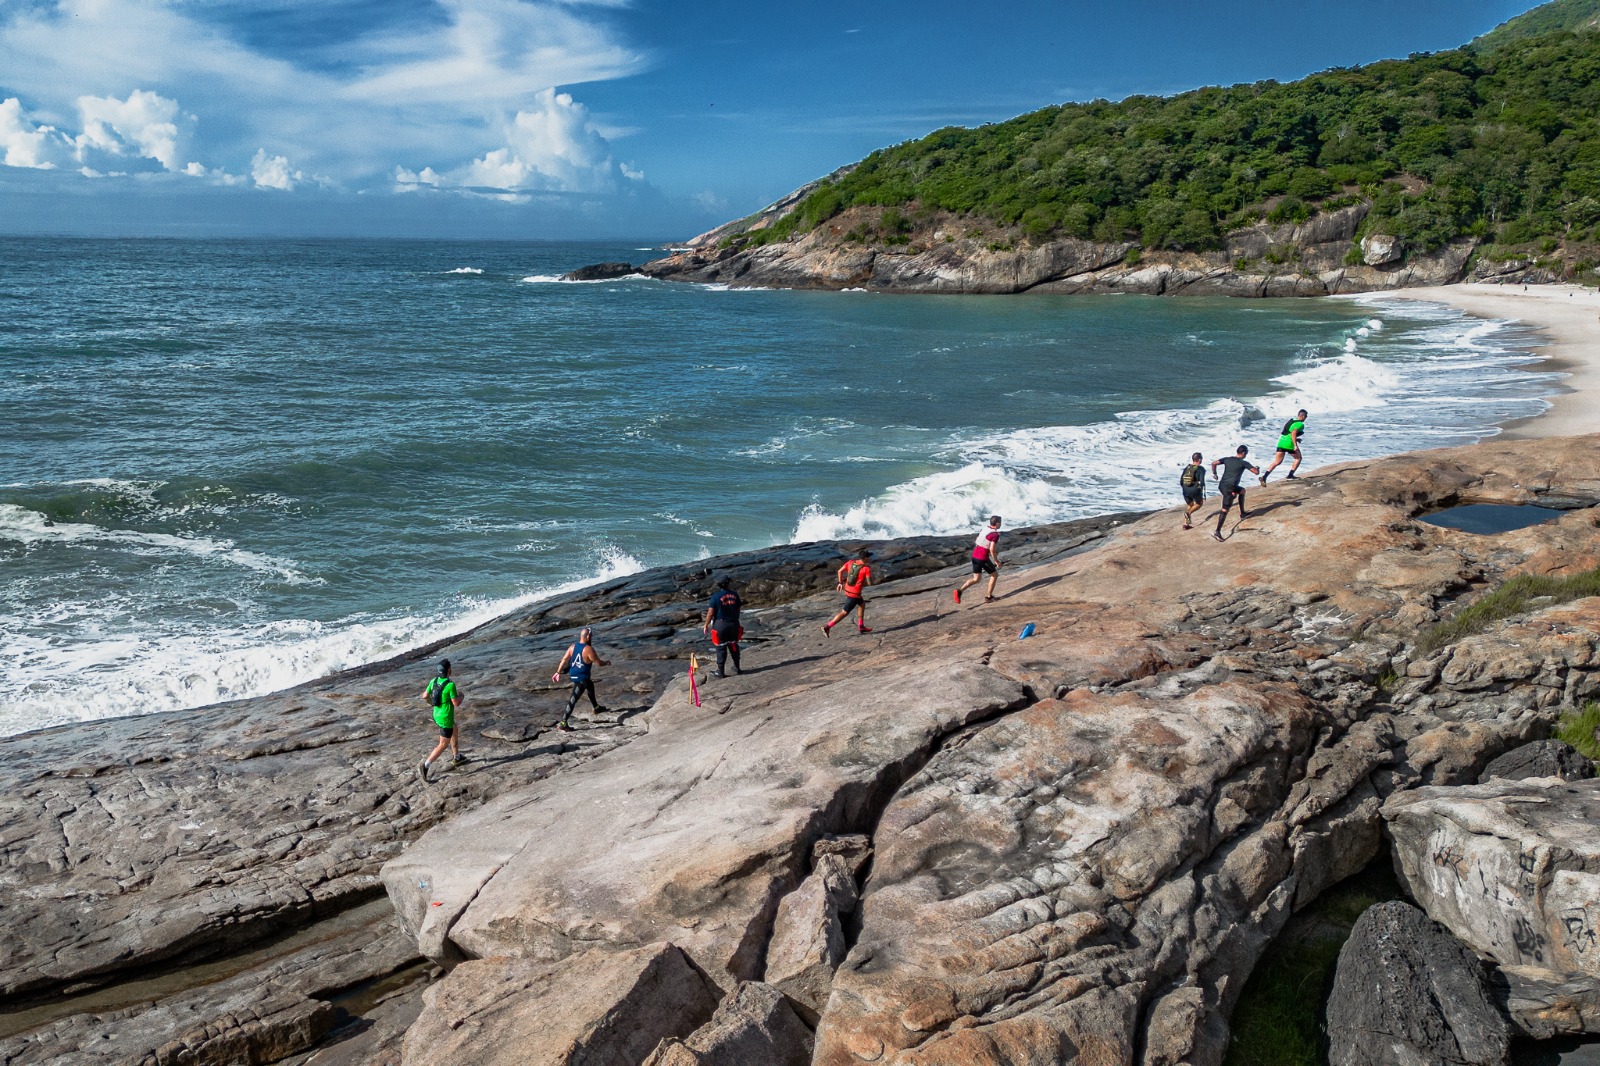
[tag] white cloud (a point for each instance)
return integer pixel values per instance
(433, 91)
(144, 126)
(553, 147)
(274, 172)
(492, 51)
(24, 144)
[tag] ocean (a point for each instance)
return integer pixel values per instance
(234, 466)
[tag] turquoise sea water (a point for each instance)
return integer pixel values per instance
(236, 465)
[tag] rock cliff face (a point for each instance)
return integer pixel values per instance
(930, 843)
(1310, 259)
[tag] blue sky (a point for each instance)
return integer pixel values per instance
(568, 118)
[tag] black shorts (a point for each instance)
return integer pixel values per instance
(1194, 494)
(447, 732)
(852, 602)
(1231, 493)
(984, 566)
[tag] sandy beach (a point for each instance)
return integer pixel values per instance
(1569, 316)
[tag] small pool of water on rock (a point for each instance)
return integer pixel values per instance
(1491, 517)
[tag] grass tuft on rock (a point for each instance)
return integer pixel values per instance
(1517, 596)
(1579, 727)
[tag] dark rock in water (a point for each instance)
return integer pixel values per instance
(601, 272)
(1542, 758)
(1408, 992)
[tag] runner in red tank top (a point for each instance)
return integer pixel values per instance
(853, 576)
(985, 559)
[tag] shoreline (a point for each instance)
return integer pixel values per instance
(1569, 318)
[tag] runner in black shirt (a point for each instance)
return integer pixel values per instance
(1233, 468)
(722, 622)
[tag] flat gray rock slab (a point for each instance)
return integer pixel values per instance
(693, 832)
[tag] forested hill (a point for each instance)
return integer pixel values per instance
(1549, 18)
(1498, 141)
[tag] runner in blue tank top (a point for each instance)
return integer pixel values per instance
(577, 664)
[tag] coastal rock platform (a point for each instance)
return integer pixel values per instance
(1080, 842)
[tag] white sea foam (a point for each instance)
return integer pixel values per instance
(122, 674)
(557, 279)
(465, 270)
(23, 526)
(1434, 381)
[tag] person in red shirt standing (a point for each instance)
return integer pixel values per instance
(853, 576)
(985, 559)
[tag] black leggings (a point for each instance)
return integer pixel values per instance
(727, 640)
(579, 689)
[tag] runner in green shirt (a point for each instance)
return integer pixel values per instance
(444, 698)
(1288, 444)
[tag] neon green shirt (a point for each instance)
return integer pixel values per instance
(444, 715)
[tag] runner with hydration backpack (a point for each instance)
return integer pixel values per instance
(576, 663)
(853, 576)
(1288, 444)
(444, 698)
(1193, 483)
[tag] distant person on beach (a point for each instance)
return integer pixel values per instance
(1193, 483)
(1288, 444)
(985, 559)
(854, 575)
(1233, 468)
(444, 698)
(722, 623)
(578, 664)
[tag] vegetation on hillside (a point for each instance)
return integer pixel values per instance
(1549, 18)
(1501, 143)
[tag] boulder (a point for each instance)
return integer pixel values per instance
(755, 1026)
(597, 1008)
(1512, 868)
(1543, 1004)
(1381, 249)
(1023, 879)
(808, 936)
(1542, 758)
(1407, 993)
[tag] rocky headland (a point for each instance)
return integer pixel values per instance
(942, 253)
(933, 843)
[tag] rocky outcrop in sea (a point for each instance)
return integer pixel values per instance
(934, 842)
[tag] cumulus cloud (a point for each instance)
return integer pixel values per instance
(554, 146)
(25, 144)
(274, 172)
(144, 126)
